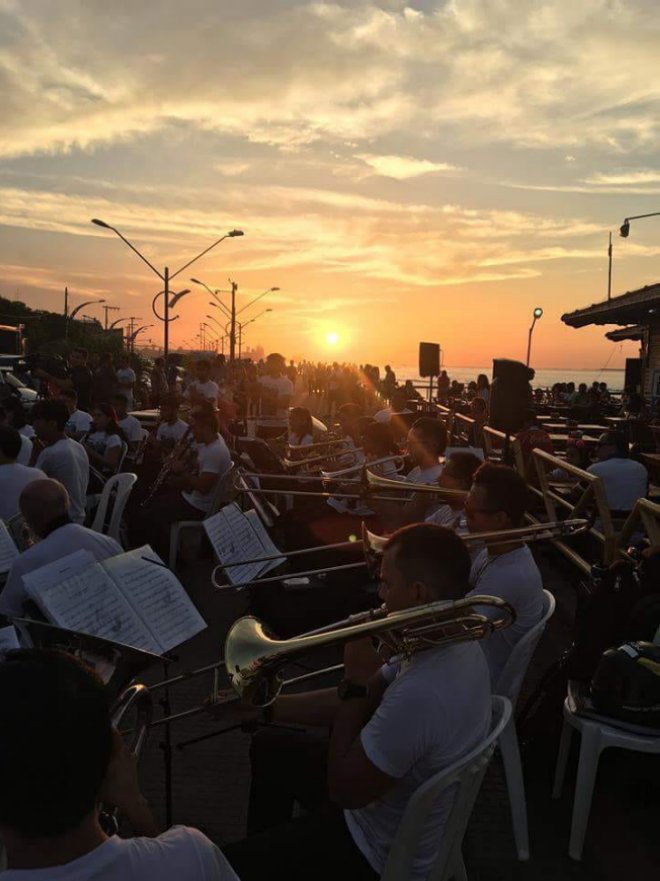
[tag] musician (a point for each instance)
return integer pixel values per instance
(457, 474)
(59, 757)
(45, 507)
(171, 428)
(498, 500)
(301, 428)
(202, 388)
(129, 425)
(378, 443)
(13, 477)
(62, 458)
(79, 422)
(390, 733)
(105, 444)
(275, 393)
(398, 407)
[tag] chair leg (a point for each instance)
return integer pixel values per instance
(590, 748)
(562, 759)
(508, 744)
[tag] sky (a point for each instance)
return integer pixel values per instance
(401, 171)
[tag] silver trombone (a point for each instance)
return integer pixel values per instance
(373, 544)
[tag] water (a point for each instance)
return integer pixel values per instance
(545, 377)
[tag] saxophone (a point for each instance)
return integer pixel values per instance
(182, 450)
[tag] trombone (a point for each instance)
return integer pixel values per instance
(254, 657)
(373, 545)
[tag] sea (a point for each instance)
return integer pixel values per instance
(544, 378)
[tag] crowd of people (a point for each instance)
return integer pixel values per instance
(389, 725)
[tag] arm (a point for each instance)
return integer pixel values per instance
(121, 789)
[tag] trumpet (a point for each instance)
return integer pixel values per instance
(373, 545)
(254, 657)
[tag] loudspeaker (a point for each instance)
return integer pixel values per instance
(510, 395)
(633, 380)
(429, 359)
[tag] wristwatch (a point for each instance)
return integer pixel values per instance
(347, 690)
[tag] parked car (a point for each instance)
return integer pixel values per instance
(13, 385)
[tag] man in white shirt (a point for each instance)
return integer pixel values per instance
(59, 758)
(171, 428)
(62, 458)
(13, 477)
(392, 414)
(44, 505)
(275, 393)
(202, 388)
(128, 424)
(390, 733)
(625, 480)
(79, 422)
(498, 500)
(126, 380)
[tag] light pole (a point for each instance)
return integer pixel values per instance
(218, 304)
(133, 336)
(166, 277)
(75, 311)
(107, 309)
(233, 312)
(538, 312)
(624, 229)
(118, 321)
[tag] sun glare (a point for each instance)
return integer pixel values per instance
(332, 338)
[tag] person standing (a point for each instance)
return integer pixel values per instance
(79, 377)
(275, 391)
(126, 380)
(105, 380)
(159, 387)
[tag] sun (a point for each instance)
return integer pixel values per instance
(332, 337)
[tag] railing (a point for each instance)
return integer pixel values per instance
(645, 514)
(462, 431)
(495, 445)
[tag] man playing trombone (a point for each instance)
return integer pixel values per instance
(389, 733)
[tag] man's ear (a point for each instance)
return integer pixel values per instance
(421, 592)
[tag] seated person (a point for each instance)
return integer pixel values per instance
(202, 388)
(458, 473)
(498, 500)
(105, 444)
(79, 423)
(378, 443)
(44, 505)
(398, 407)
(624, 480)
(62, 458)
(390, 732)
(59, 758)
(10, 416)
(129, 425)
(301, 428)
(171, 429)
(577, 454)
(13, 477)
(533, 437)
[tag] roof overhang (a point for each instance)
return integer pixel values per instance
(636, 332)
(634, 307)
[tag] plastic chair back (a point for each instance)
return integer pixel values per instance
(511, 677)
(467, 774)
(121, 485)
(222, 492)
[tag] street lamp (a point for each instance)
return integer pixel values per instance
(247, 305)
(131, 339)
(118, 321)
(624, 229)
(217, 301)
(166, 277)
(538, 312)
(82, 306)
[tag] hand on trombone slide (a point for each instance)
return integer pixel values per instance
(227, 706)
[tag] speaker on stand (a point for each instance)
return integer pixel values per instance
(429, 363)
(510, 398)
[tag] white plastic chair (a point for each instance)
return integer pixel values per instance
(220, 497)
(467, 775)
(508, 685)
(597, 735)
(121, 485)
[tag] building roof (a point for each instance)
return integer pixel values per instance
(634, 332)
(634, 307)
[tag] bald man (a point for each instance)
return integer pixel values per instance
(44, 505)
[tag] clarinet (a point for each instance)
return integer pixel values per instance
(180, 451)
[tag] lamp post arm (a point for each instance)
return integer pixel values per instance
(640, 216)
(194, 259)
(135, 250)
(221, 305)
(253, 301)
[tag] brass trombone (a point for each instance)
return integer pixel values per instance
(254, 658)
(372, 546)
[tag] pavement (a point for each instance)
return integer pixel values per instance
(210, 780)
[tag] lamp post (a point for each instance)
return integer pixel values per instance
(133, 336)
(107, 309)
(166, 277)
(624, 229)
(231, 312)
(75, 311)
(115, 323)
(538, 312)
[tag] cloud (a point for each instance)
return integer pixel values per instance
(624, 178)
(403, 167)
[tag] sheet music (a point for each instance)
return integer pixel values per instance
(90, 602)
(156, 596)
(54, 573)
(8, 640)
(234, 538)
(268, 545)
(8, 550)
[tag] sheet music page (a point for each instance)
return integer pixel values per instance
(268, 545)
(157, 597)
(90, 602)
(8, 550)
(8, 640)
(234, 539)
(53, 573)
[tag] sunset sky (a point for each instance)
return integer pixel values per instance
(402, 171)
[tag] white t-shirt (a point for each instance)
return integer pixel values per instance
(445, 516)
(296, 441)
(425, 475)
(446, 691)
(213, 458)
(66, 461)
(58, 544)
(13, 479)
(208, 390)
(131, 428)
(284, 388)
(180, 854)
(516, 578)
(387, 414)
(78, 422)
(25, 451)
(624, 480)
(100, 441)
(27, 431)
(126, 375)
(171, 433)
